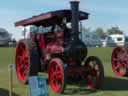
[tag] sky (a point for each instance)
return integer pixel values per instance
(103, 13)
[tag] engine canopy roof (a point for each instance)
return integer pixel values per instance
(47, 19)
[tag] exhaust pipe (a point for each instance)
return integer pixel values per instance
(75, 17)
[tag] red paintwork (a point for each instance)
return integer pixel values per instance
(47, 48)
(41, 41)
(59, 36)
(55, 47)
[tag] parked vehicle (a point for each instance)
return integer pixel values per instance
(116, 40)
(5, 38)
(91, 39)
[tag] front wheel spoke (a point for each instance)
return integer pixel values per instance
(24, 72)
(59, 77)
(19, 59)
(57, 73)
(21, 67)
(52, 70)
(25, 57)
(56, 68)
(25, 67)
(57, 83)
(26, 62)
(53, 76)
(54, 82)
(52, 79)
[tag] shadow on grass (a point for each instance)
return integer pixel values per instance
(78, 91)
(115, 84)
(110, 84)
(4, 92)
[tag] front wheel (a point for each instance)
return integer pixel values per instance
(56, 75)
(95, 75)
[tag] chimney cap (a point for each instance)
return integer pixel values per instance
(74, 0)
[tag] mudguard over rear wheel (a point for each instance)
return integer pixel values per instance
(27, 60)
(95, 75)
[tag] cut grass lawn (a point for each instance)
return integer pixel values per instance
(113, 86)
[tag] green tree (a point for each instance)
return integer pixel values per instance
(114, 30)
(86, 29)
(4, 32)
(100, 32)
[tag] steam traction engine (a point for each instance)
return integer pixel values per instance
(56, 49)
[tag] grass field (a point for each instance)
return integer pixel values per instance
(113, 86)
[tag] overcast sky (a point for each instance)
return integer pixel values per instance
(103, 13)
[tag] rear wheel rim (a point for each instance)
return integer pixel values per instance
(22, 62)
(56, 76)
(119, 61)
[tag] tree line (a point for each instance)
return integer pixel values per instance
(99, 31)
(103, 34)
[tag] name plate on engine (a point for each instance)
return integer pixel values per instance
(38, 86)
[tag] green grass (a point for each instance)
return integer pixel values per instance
(113, 86)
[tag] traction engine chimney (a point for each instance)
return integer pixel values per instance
(75, 17)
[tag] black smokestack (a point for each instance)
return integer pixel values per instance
(75, 17)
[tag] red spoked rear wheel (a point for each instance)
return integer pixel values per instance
(27, 60)
(22, 62)
(56, 75)
(120, 61)
(95, 76)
